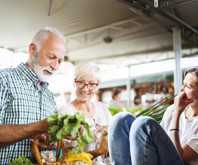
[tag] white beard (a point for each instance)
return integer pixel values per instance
(39, 70)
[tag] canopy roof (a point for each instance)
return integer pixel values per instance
(104, 29)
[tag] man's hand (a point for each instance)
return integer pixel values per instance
(44, 143)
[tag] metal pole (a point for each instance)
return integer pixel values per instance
(129, 88)
(177, 51)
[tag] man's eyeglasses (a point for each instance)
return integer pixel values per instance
(81, 85)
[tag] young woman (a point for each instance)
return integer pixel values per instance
(143, 141)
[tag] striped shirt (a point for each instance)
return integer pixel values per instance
(22, 102)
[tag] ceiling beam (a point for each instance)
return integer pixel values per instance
(181, 21)
(176, 3)
(146, 8)
(101, 28)
(50, 7)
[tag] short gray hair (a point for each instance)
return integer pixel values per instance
(87, 69)
(43, 34)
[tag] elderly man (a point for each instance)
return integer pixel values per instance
(25, 100)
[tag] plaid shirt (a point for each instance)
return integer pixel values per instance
(22, 102)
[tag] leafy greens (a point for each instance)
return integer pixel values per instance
(66, 125)
(21, 161)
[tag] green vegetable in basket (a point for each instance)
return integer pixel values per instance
(21, 161)
(66, 125)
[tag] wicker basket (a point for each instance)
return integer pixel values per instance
(61, 145)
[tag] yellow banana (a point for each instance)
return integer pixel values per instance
(84, 157)
(90, 155)
(70, 152)
(73, 152)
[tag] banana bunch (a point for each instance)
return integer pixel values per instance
(84, 157)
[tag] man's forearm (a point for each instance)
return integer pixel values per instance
(12, 133)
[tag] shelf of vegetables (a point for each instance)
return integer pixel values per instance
(155, 111)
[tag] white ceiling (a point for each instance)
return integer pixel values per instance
(135, 28)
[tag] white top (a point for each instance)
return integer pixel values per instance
(188, 130)
(102, 117)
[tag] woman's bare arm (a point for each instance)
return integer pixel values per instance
(180, 104)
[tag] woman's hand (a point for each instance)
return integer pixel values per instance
(103, 148)
(181, 101)
(100, 129)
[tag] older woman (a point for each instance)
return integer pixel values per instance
(87, 81)
(143, 141)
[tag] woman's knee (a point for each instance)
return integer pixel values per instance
(145, 123)
(146, 120)
(121, 119)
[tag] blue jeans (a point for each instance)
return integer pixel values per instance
(140, 141)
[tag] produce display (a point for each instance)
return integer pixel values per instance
(60, 126)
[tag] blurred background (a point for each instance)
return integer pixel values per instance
(141, 46)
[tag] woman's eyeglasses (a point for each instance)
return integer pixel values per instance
(81, 85)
